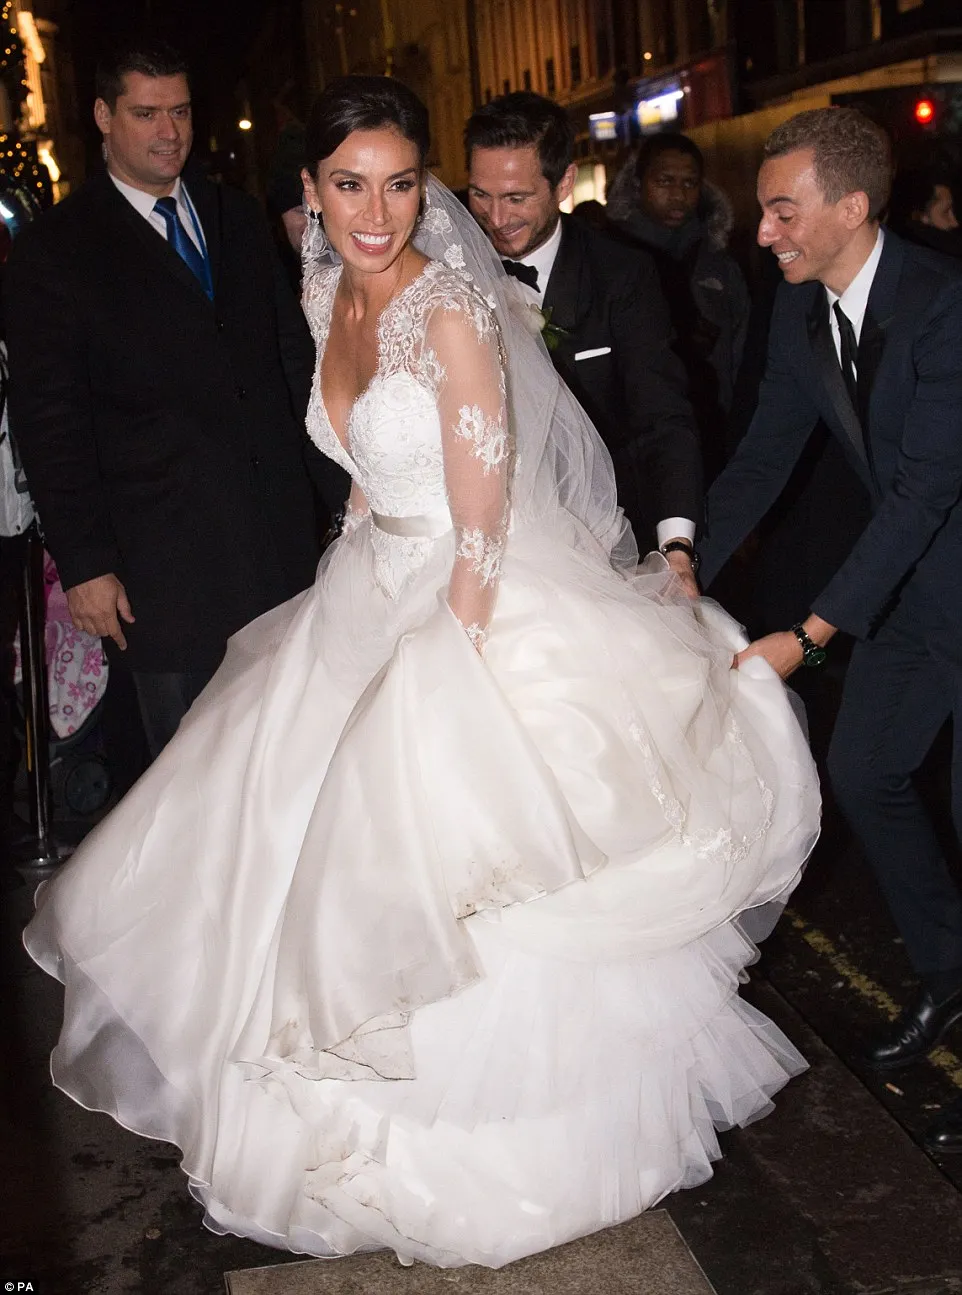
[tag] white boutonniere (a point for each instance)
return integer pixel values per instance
(536, 320)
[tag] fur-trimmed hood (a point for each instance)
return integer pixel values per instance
(715, 209)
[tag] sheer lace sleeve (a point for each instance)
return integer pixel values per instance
(463, 341)
(356, 511)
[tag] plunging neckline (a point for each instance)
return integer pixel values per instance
(399, 296)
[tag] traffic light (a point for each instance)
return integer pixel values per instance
(924, 112)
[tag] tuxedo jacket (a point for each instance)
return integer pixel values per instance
(616, 356)
(904, 440)
(162, 434)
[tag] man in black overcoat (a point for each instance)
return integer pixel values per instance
(609, 329)
(160, 372)
(866, 334)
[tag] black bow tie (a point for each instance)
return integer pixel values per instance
(526, 273)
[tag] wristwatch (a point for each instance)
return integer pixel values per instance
(812, 654)
(679, 546)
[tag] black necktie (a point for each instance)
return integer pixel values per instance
(526, 273)
(849, 353)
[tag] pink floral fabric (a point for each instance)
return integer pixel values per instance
(76, 665)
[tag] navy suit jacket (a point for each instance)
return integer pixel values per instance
(905, 443)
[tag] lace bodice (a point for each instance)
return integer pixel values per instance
(427, 440)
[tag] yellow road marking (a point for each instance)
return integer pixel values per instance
(863, 985)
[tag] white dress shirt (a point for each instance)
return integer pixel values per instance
(854, 299)
(144, 204)
(543, 259)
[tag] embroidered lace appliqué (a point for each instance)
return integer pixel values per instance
(713, 844)
(396, 559)
(477, 635)
(489, 436)
(454, 257)
(393, 434)
(483, 551)
(436, 221)
(353, 518)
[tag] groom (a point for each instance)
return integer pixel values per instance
(159, 377)
(614, 332)
(867, 335)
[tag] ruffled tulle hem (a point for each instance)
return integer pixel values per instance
(552, 1099)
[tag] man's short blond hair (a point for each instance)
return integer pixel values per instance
(852, 154)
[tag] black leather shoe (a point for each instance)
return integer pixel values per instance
(916, 1032)
(943, 1137)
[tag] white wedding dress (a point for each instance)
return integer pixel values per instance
(425, 932)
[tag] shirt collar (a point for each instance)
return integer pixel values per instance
(543, 258)
(145, 202)
(854, 299)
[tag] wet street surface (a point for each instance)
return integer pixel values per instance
(830, 1195)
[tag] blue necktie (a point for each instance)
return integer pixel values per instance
(182, 243)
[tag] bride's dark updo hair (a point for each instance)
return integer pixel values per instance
(363, 103)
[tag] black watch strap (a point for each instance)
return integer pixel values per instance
(679, 546)
(812, 654)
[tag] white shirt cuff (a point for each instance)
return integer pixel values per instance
(674, 528)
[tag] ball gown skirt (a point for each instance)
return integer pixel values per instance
(405, 948)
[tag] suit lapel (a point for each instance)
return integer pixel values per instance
(879, 313)
(130, 222)
(567, 294)
(830, 371)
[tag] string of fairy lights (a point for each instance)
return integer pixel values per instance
(12, 56)
(19, 165)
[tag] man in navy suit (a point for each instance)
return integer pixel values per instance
(867, 335)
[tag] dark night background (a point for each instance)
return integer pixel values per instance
(215, 35)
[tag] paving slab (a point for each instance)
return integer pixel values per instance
(827, 1196)
(646, 1255)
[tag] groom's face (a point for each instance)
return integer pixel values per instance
(512, 200)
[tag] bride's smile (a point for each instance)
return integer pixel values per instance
(369, 194)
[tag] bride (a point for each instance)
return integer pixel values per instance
(425, 931)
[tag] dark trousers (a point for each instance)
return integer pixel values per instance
(164, 699)
(900, 690)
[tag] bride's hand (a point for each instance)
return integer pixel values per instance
(680, 564)
(782, 651)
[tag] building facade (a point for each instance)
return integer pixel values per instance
(426, 43)
(42, 113)
(725, 71)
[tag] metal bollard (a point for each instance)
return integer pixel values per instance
(42, 850)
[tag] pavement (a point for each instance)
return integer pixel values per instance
(830, 1195)
(647, 1254)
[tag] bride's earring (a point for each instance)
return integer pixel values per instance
(315, 241)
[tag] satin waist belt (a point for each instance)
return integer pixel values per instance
(422, 526)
